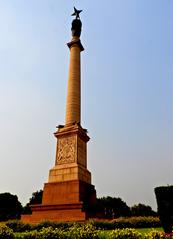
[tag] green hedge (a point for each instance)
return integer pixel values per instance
(77, 231)
(44, 233)
(137, 222)
(164, 197)
(129, 222)
(6, 232)
(119, 223)
(19, 226)
(85, 231)
(124, 234)
(128, 233)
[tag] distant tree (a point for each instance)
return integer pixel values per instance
(10, 207)
(113, 207)
(142, 210)
(36, 198)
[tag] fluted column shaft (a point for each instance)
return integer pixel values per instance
(73, 104)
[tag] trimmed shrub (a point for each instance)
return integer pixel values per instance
(128, 222)
(49, 233)
(103, 225)
(5, 232)
(164, 197)
(119, 223)
(27, 235)
(77, 231)
(154, 235)
(136, 222)
(85, 231)
(18, 226)
(45, 224)
(125, 234)
(45, 233)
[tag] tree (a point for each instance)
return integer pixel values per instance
(36, 198)
(113, 207)
(142, 210)
(10, 207)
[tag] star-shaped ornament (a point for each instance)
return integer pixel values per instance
(76, 13)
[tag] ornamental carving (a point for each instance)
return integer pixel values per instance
(66, 150)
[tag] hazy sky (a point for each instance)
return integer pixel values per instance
(127, 85)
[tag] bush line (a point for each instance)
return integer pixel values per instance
(79, 231)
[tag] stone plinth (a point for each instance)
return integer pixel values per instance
(71, 154)
(69, 194)
(57, 213)
(64, 201)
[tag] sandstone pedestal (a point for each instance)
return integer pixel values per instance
(67, 201)
(68, 195)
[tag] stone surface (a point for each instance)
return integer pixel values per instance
(69, 172)
(70, 163)
(74, 191)
(57, 213)
(64, 201)
(73, 104)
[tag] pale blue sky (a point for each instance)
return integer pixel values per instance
(127, 85)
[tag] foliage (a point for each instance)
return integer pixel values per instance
(6, 232)
(10, 207)
(147, 230)
(127, 222)
(142, 210)
(45, 224)
(77, 231)
(133, 234)
(103, 225)
(44, 233)
(27, 235)
(49, 233)
(136, 222)
(112, 207)
(154, 235)
(36, 198)
(125, 234)
(19, 226)
(83, 231)
(80, 231)
(164, 196)
(131, 222)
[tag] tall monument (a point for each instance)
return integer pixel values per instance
(69, 194)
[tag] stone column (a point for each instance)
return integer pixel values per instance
(73, 103)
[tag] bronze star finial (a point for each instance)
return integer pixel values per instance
(76, 13)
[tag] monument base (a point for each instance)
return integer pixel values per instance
(56, 213)
(64, 202)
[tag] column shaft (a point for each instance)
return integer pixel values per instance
(73, 92)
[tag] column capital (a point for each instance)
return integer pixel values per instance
(75, 42)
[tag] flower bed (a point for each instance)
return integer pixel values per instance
(75, 231)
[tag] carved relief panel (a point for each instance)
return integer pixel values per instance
(66, 150)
